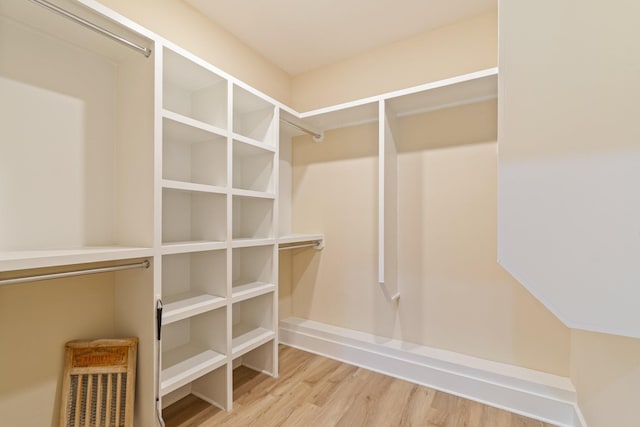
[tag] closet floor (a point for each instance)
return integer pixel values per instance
(316, 391)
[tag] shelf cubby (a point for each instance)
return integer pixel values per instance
(193, 155)
(192, 90)
(253, 272)
(71, 134)
(252, 168)
(192, 347)
(260, 359)
(252, 324)
(211, 387)
(253, 116)
(192, 216)
(193, 283)
(252, 218)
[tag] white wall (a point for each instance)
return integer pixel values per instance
(570, 158)
(569, 204)
(454, 295)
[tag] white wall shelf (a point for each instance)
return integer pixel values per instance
(193, 283)
(191, 246)
(252, 168)
(253, 142)
(252, 323)
(24, 260)
(251, 193)
(252, 116)
(464, 89)
(191, 129)
(187, 186)
(182, 306)
(300, 238)
(186, 364)
(193, 216)
(191, 90)
(192, 347)
(249, 242)
(252, 218)
(249, 340)
(193, 155)
(250, 290)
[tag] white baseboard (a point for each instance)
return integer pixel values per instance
(546, 397)
(578, 418)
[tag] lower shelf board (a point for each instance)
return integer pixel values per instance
(186, 364)
(249, 340)
(178, 307)
(250, 290)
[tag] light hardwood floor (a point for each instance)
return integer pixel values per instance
(316, 391)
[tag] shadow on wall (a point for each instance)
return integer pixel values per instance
(36, 320)
(449, 127)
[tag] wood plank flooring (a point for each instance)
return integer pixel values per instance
(316, 391)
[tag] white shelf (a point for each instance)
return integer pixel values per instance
(253, 142)
(193, 130)
(178, 307)
(23, 260)
(193, 154)
(250, 290)
(248, 243)
(191, 246)
(458, 90)
(252, 218)
(192, 90)
(300, 238)
(188, 186)
(249, 340)
(193, 216)
(253, 116)
(186, 364)
(251, 193)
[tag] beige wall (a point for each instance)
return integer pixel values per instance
(463, 47)
(180, 23)
(36, 319)
(453, 293)
(606, 372)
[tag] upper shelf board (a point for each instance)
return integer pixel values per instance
(467, 88)
(23, 260)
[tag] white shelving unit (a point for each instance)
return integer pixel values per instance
(218, 189)
(77, 178)
(386, 109)
(192, 347)
(170, 159)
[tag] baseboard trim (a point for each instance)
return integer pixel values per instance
(546, 397)
(578, 418)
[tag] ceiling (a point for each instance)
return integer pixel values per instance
(301, 35)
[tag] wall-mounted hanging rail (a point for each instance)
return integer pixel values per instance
(317, 245)
(16, 280)
(316, 136)
(75, 18)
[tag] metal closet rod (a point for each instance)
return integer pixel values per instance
(316, 136)
(143, 264)
(53, 8)
(303, 245)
